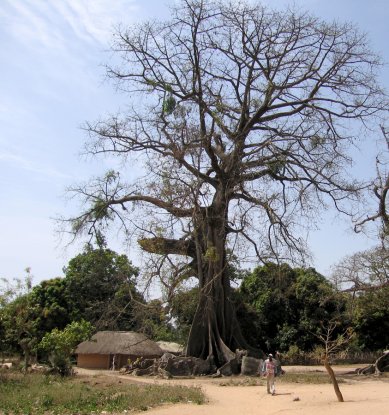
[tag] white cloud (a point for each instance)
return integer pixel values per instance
(51, 24)
(94, 19)
(50, 46)
(27, 22)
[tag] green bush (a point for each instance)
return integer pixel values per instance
(60, 344)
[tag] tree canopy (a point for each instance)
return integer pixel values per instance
(101, 289)
(241, 120)
(289, 305)
(365, 275)
(60, 344)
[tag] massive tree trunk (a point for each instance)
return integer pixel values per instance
(215, 331)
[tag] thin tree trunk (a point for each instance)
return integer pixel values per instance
(26, 359)
(333, 379)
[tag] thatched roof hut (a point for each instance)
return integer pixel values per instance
(113, 349)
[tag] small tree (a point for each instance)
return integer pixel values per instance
(20, 328)
(333, 342)
(60, 344)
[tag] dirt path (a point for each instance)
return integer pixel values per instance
(361, 398)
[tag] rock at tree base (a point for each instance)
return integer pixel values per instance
(170, 365)
(251, 366)
(381, 365)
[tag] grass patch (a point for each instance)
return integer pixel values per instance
(37, 394)
(244, 381)
(313, 378)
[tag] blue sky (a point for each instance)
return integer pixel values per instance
(52, 80)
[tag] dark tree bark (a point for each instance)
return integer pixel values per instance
(215, 330)
(240, 126)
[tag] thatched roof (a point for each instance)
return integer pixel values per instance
(119, 342)
(171, 347)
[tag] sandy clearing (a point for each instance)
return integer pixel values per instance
(365, 397)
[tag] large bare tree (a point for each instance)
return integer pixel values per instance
(380, 194)
(363, 271)
(241, 118)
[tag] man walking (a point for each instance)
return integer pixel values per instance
(270, 369)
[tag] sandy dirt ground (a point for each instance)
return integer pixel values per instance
(369, 396)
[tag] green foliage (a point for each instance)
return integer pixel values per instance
(371, 319)
(169, 104)
(182, 308)
(20, 328)
(294, 355)
(155, 245)
(60, 344)
(51, 304)
(184, 304)
(15, 311)
(101, 287)
(111, 176)
(211, 254)
(286, 305)
(100, 210)
(36, 394)
(365, 275)
(153, 321)
(277, 167)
